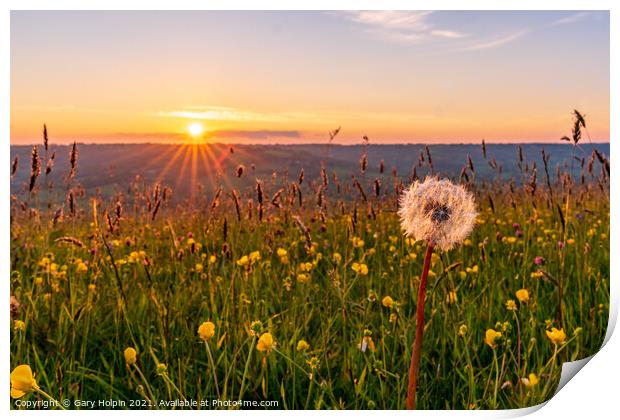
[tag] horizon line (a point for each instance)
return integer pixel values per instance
(536, 142)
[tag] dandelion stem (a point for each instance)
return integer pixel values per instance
(414, 367)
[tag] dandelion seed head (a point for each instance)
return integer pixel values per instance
(437, 211)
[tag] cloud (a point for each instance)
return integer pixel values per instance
(253, 134)
(400, 26)
(220, 113)
(569, 19)
(483, 45)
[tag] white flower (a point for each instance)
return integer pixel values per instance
(437, 211)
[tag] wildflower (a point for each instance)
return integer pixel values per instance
(265, 343)
(130, 355)
(22, 381)
(313, 363)
(80, 267)
(490, 336)
(256, 327)
(570, 241)
(523, 295)
(206, 330)
(530, 381)
(536, 274)
(302, 345)
(437, 211)
(462, 330)
(556, 336)
(303, 278)
(538, 260)
(434, 259)
(387, 301)
(212, 259)
(357, 242)
(19, 325)
(560, 244)
(463, 275)
(452, 297)
(243, 261)
(92, 288)
(161, 368)
(281, 252)
(254, 256)
(360, 268)
(511, 305)
(393, 317)
(367, 343)
(337, 257)
(472, 270)
(199, 268)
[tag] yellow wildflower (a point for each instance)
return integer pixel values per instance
(130, 355)
(254, 256)
(556, 336)
(206, 330)
(265, 343)
(302, 345)
(337, 257)
(199, 268)
(511, 305)
(462, 330)
(243, 261)
(19, 325)
(523, 295)
(387, 301)
(490, 336)
(22, 381)
(212, 259)
(357, 242)
(367, 343)
(452, 297)
(530, 381)
(360, 268)
(472, 270)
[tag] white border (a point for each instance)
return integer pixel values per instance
(594, 392)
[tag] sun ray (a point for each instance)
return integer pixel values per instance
(170, 163)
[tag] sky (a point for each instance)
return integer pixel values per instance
(292, 77)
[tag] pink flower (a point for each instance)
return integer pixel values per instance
(538, 260)
(560, 244)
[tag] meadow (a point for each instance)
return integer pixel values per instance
(301, 291)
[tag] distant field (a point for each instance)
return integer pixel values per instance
(111, 167)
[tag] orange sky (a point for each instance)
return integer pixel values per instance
(293, 76)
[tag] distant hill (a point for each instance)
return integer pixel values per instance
(111, 167)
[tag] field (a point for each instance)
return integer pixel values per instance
(319, 262)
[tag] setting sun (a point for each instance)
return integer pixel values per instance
(195, 129)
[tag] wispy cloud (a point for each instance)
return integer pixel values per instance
(492, 43)
(219, 113)
(401, 26)
(253, 134)
(570, 19)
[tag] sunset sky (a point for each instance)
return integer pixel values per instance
(291, 77)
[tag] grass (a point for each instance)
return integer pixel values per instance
(132, 280)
